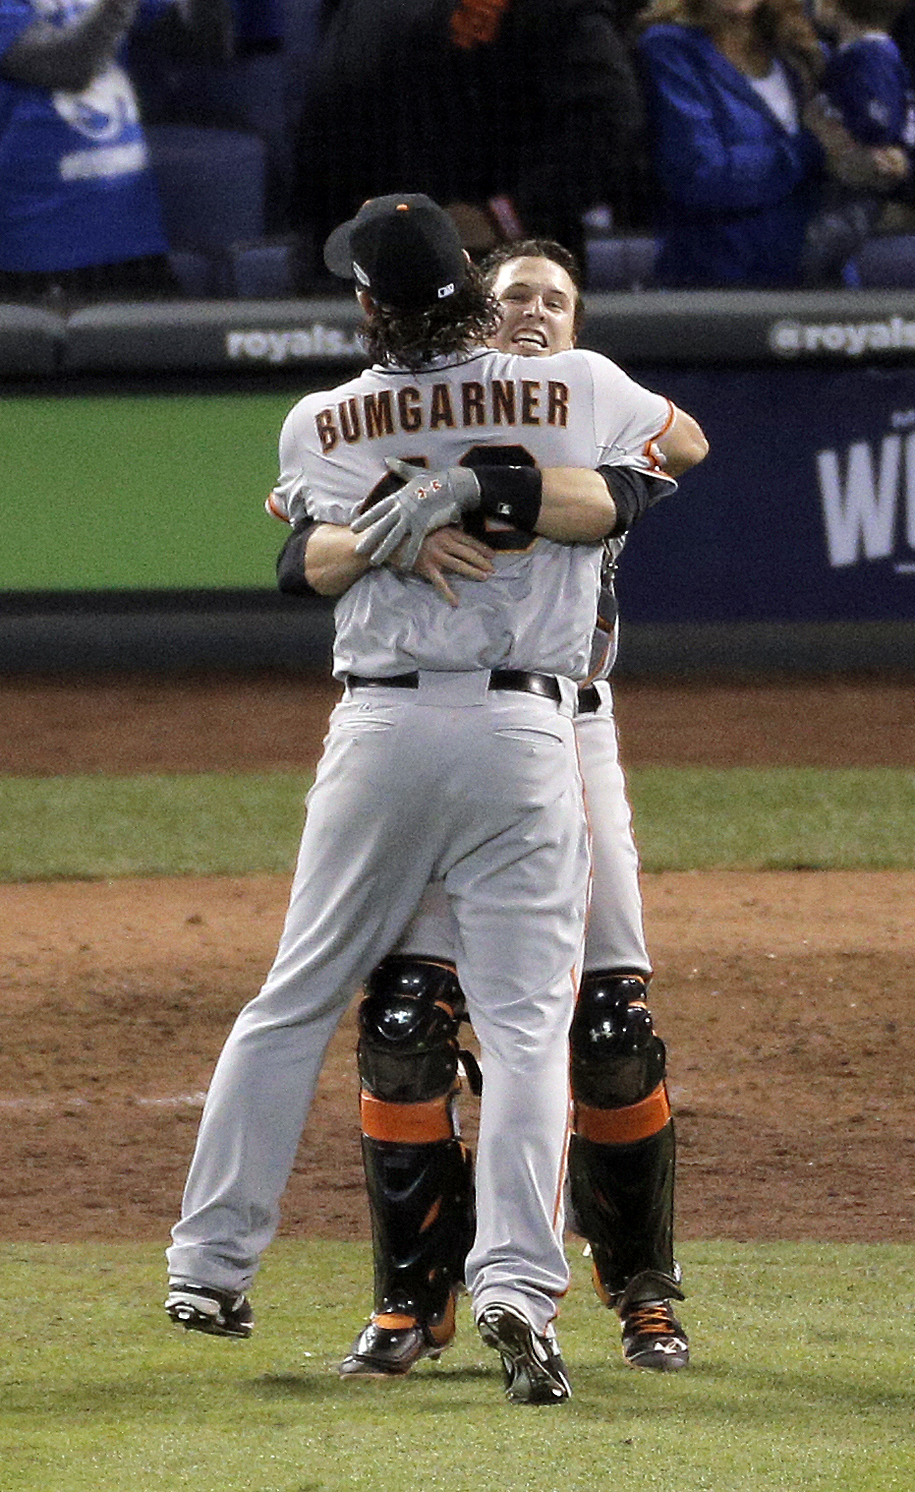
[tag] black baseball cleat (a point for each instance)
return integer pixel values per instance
(390, 1344)
(653, 1337)
(532, 1368)
(218, 1313)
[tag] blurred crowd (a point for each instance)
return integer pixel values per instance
(166, 147)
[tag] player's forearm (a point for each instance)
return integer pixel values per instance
(331, 563)
(47, 57)
(576, 506)
(571, 505)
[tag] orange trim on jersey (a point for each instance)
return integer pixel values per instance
(638, 1121)
(646, 449)
(599, 673)
(414, 1123)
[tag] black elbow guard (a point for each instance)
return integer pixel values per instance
(290, 562)
(633, 493)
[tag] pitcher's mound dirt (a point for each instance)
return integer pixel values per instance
(785, 999)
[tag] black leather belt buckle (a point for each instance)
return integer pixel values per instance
(588, 700)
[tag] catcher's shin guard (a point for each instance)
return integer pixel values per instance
(419, 1174)
(622, 1151)
(421, 1201)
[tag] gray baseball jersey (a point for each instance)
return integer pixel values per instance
(615, 934)
(575, 408)
(450, 780)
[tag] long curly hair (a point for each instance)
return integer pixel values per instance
(784, 24)
(410, 339)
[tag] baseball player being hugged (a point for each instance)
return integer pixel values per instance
(418, 1171)
(451, 757)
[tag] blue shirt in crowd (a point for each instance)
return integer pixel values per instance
(75, 184)
(737, 187)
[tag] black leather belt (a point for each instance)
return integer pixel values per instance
(501, 678)
(589, 700)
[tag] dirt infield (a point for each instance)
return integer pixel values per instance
(785, 999)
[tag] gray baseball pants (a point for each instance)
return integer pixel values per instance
(480, 789)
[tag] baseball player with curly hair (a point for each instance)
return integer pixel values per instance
(622, 1147)
(451, 757)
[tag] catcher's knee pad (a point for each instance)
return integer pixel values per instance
(408, 1022)
(616, 1058)
(421, 1203)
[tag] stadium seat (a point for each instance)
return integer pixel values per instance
(267, 270)
(259, 91)
(212, 185)
(619, 262)
(195, 273)
(887, 261)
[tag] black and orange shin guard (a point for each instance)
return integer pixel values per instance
(419, 1175)
(622, 1153)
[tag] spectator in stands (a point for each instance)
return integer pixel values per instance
(520, 115)
(738, 159)
(867, 86)
(186, 80)
(79, 215)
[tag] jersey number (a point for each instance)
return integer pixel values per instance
(491, 531)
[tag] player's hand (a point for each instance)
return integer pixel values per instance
(451, 550)
(427, 501)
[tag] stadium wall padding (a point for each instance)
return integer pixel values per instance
(139, 442)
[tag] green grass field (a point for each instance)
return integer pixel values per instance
(694, 818)
(802, 1378)
(802, 1373)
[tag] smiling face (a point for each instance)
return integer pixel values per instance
(538, 299)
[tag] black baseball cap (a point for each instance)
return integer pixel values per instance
(404, 250)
